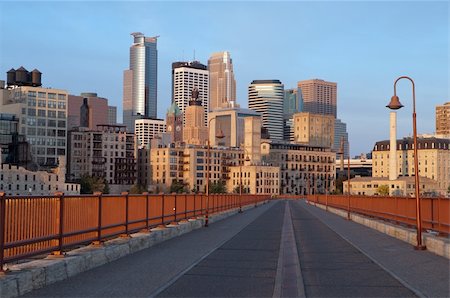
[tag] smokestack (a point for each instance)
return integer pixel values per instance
(393, 146)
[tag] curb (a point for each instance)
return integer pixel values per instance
(26, 277)
(436, 245)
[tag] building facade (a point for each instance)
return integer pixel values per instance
(255, 179)
(195, 131)
(174, 120)
(147, 129)
(107, 152)
(340, 133)
(112, 115)
(97, 110)
(314, 129)
(434, 160)
(291, 105)
(140, 81)
(185, 77)
(318, 96)
(266, 98)
(303, 169)
(222, 85)
(443, 119)
(42, 114)
(18, 181)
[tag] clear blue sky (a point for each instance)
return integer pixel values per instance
(363, 46)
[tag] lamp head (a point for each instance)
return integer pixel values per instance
(395, 103)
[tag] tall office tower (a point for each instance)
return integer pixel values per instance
(340, 131)
(185, 77)
(174, 121)
(148, 129)
(195, 132)
(318, 96)
(222, 85)
(291, 105)
(140, 81)
(266, 98)
(443, 119)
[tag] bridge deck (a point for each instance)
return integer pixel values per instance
(241, 256)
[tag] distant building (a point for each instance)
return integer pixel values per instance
(222, 91)
(434, 160)
(174, 121)
(98, 110)
(18, 181)
(266, 98)
(140, 81)
(107, 152)
(112, 115)
(14, 149)
(304, 169)
(42, 113)
(318, 96)
(256, 179)
(340, 131)
(185, 77)
(231, 122)
(443, 119)
(314, 129)
(291, 105)
(195, 131)
(147, 129)
(402, 186)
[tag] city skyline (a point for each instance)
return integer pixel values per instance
(364, 59)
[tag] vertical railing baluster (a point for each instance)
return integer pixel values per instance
(175, 208)
(185, 206)
(99, 218)
(61, 224)
(125, 193)
(162, 209)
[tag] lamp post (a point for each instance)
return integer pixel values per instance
(208, 157)
(240, 179)
(395, 104)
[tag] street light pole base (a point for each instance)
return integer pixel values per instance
(420, 247)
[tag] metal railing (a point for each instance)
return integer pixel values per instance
(34, 225)
(400, 210)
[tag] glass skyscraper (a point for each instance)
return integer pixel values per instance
(140, 81)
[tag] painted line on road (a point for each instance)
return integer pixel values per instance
(289, 279)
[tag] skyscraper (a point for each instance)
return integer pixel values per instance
(340, 131)
(266, 98)
(222, 84)
(318, 96)
(185, 77)
(195, 132)
(140, 81)
(291, 105)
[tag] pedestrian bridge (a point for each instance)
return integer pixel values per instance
(282, 248)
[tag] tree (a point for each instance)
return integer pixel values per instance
(383, 190)
(91, 184)
(218, 187)
(177, 187)
(137, 189)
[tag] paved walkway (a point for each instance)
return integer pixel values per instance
(252, 255)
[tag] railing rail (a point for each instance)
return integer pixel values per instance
(400, 210)
(34, 225)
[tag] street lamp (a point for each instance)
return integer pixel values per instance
(240, 179)
(208, 157)
(395, 104)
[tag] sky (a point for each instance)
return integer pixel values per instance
(83, 46)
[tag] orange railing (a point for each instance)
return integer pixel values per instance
(400, 210)
(33, 225)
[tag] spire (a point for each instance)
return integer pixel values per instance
(174, 110)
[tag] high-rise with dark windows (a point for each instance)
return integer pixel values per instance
(140, 81)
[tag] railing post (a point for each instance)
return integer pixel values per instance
(99, 218)
(125, 193)
(146, 230)
(162, 209)
(195, 197)
(185, 206)
(2, 230)
(59, 252)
